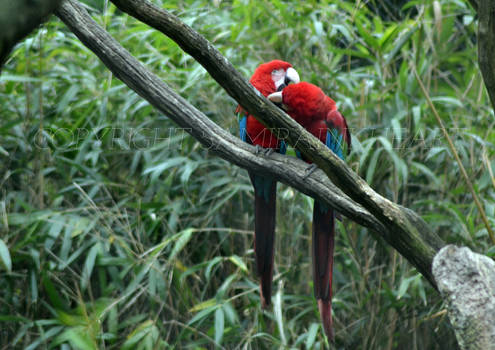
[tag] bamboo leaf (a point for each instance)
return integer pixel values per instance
(88, 266)
(219, 325)
(184, 237)
(238, 262)
(311, 335)
(5, 256)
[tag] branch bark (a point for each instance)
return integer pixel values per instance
(18, 18)
(412, 237)
(486, 45)
(399, 226)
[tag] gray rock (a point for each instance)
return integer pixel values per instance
(466, 280)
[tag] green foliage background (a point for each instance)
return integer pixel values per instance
(119, 231)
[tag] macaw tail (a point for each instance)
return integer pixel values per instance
(323, 245)
(264, 231)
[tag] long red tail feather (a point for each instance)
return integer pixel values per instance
(323, 247)
(264, 244)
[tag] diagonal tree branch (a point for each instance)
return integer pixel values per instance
(411, 232)
(402, 228)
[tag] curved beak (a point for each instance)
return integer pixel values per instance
(277, 98)
(291, 76)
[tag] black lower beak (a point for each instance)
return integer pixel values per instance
(287, 80)
(286, 83)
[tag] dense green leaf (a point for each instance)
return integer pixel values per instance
(5, 256)
(219, 325)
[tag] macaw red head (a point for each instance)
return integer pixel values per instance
(273, 76)
(268, 78)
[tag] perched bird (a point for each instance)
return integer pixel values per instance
(318, 114)
(267, 78)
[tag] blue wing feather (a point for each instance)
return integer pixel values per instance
(335, 141)
(242, 126)
(283, 147)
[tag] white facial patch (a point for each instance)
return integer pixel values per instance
(278, 77)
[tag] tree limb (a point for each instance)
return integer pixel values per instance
(418, 245)
(486, 45)
(402, 228)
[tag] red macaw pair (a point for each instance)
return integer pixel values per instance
(318, 114)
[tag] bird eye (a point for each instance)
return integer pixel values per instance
(276, 71)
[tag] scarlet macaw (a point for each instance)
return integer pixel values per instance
(267, 78)
(318, 114)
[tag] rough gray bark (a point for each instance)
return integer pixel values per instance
(486, 44)
(18, 18)
(411, 236)
(467, 282)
